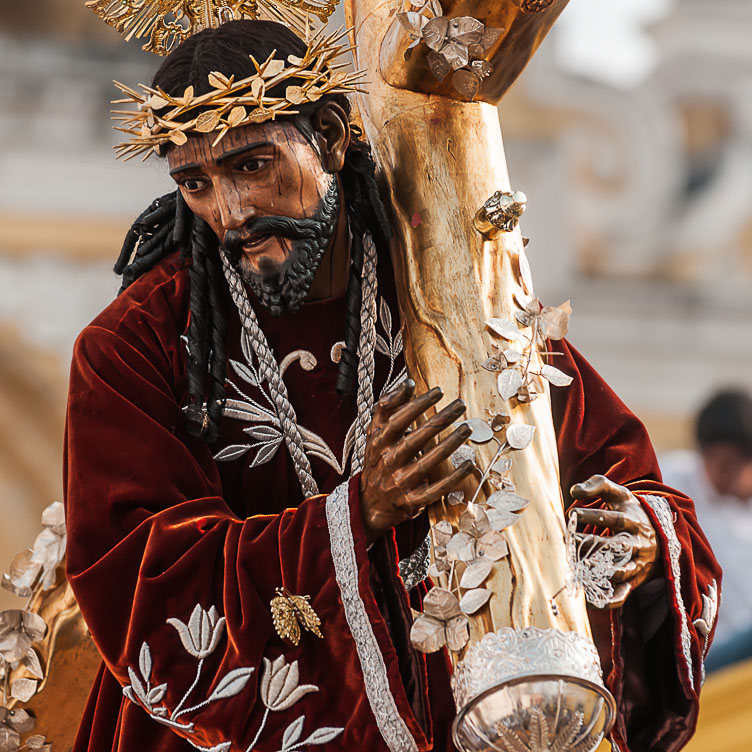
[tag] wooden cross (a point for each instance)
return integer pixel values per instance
(441, 157)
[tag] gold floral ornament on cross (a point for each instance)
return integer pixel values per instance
(161, 119)
(168, 22)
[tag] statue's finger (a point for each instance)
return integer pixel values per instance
(411, 475)
(397, 396)
(606, 518)
(433, 493)
(418, 440)
(627, 572)
(406, 414)
(590, 542)
(600, 487)
(621, 592)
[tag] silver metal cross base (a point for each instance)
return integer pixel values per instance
(531, 690)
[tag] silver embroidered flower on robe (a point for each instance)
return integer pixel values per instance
(202, 633)
(280, 687)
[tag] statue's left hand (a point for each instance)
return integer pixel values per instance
(624, 514)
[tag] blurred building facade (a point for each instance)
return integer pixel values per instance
(639, 211)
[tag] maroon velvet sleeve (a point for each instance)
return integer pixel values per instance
(176, 589)
(655, 673)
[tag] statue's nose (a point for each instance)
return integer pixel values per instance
(235, 210)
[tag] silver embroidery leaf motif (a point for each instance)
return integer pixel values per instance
(390, 345)
(269, 368)
(592, 562)
(704, 625)
(665, 516)
(200, 638)
(279, 690)
(280, 686)
(414, 568)
(383, 705)
(265, 430)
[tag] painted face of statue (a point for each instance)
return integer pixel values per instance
(265, 191)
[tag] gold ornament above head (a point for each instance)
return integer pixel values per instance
(168, 22)
(161, 119)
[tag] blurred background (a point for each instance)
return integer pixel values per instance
(630, 133)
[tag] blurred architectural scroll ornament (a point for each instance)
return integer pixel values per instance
(166, 23)
(500, 213)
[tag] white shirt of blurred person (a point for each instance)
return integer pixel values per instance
(718, 478)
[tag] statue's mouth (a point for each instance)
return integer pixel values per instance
(253, 242)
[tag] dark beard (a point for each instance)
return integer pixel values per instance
(283, 289)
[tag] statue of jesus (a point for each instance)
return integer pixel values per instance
(249, 465)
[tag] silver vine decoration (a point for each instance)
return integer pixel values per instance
(464, 555)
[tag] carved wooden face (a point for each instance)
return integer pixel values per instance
(268, 169)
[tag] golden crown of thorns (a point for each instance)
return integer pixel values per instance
(161, 118)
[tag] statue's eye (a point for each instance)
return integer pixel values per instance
(193, 184)
(253, 165)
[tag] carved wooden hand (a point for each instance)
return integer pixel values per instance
(394, 485)
(623, 515)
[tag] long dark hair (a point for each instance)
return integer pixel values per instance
(168, 224)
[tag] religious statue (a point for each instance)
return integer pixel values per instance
(335, 478)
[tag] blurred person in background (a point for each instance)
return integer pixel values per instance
(718, 477)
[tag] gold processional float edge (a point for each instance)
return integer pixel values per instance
(458, 270)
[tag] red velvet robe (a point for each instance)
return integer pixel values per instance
(174, 555)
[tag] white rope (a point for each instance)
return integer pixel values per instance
(366, 351)
(271, 373)
(269, 369)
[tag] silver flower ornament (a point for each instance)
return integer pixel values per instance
(13, 723)
(477, 537)
(39, 564)
(593, 562)
(18, 629)
(280, 686)
(202, 633)
(441, 623)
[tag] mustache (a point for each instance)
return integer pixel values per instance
(281, 226)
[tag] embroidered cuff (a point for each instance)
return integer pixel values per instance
(391, 725)
(672, 552)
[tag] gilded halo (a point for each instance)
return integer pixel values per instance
(166, 23)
